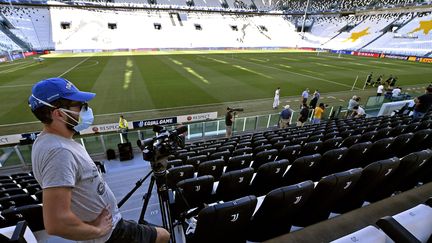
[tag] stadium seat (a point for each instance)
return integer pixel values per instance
(195, 161)
(302, 169)
(311, 148)
(16, 200)
(399, 146)
(262, 148)
(264, 157)
(281, 144)
(350, 141)
(379, 150)
(176, 174)
(242, 151)
(234, 184)
(290, 153)
(268, 177)
(32, 214)
(174, 163)
(229, 148)
(273, 217)
(383, 133)
(208, 151)
(327, 192)
(420, 140)
(368, 136)
(11, 192)
(355, 155)
(212, 167)
(400, 178)
(330, 144)
(239, 162)
(185, 155)
(372, 176)
(224, 155)
(332, 161)
(193, 193)
(226, 222)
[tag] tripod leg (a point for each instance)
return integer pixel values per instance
(146, 201)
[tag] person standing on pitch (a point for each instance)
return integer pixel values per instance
(380, 90)
(229, 119)
(304, 97)
(124, 128)
(77, 203)
(276, 98)
(285, 117)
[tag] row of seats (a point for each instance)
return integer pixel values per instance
(339, 193)
(412, 225)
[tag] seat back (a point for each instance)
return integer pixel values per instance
(239, 162)
(332, 161)
(195, 161)
(331, 143)
(356, 154)
(350, 141)
(234, 184)
(273, 218)
(290, 152)
(194, 192)
(226, 222)
(311, 148)
(264, 157)
(179, 173)
(268, 177)
(212, 167)
(302, 169)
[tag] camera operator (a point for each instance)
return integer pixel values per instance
(77, 203)
(229, 120)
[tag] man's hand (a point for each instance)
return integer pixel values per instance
(103, 221)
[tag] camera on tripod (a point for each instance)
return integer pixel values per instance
(160, 146)
(235, 109)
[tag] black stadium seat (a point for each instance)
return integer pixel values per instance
(290, 153)
(332, 161)
(372, 176)
(193, 192)
(302, 169)
(234, 184)
(239, 162)
(179, 173)
(195, 161)
(268, 177)
(273, 217)
(32, 214)
(264, 157)
(226, 222)
(241, 151)
(212, 167)
(327, 192)
(355, 155)
(330, 144)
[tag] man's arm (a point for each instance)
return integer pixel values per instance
(60, 220)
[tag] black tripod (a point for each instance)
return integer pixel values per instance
(157, 175)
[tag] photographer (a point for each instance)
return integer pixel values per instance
(229, 119)
(77, 203)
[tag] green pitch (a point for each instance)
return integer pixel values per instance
(136, 83)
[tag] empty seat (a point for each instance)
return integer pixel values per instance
(350, 141)
(379, 150)
(330, 144)
(302, 169)
(224, 155)
(261, 148)
(281, 144)
(399, 146)
(195, 161)
(311, 148)
(368, 136)
(332, 161)
(226, 148)
(239, 162)
(174, 163)
(355, 155)
(372, 176)
(192, 193)
(273, 218)
(400, 178)
(234, 184)
(264, 157)
(212, 167)
(268, 177)
(383, 133)
(226, 222)
(290, 153)
(241, 151)
(11, 192)
(32, 214)
(329, 190)
(183, 156)
(179, 173)
(16, 201)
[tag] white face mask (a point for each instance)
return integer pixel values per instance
(85, 119)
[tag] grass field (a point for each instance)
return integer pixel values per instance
(144, 86)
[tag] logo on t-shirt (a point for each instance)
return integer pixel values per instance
(101, 188)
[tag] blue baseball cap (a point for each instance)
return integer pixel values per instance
(46, 91)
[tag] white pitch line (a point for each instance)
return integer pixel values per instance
(72, 68)
(15, 86)
(300, 74)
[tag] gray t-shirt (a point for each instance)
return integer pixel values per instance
(62, 162)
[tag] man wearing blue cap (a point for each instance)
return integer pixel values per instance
(77, 203)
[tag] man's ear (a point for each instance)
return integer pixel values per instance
(56, 114)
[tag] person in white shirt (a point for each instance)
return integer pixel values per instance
(380, 90)
(396, 92)
(305, 96)
(358, 111)
(276, 98)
